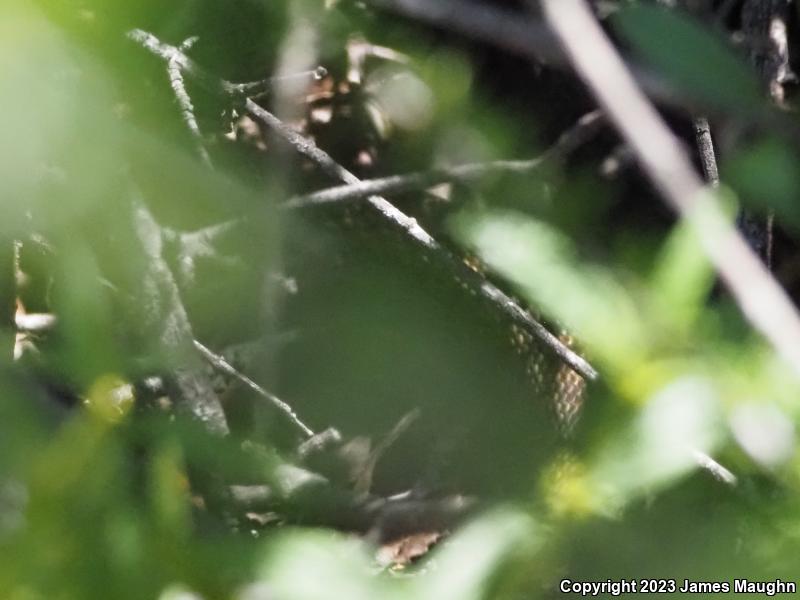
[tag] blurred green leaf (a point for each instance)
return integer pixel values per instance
(337, 563)
(465, 566)
(541, 262)
(693, 57)
(683, 277)
(767, 177)
(60, 150)
(663, 441)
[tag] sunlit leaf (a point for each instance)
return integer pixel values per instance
(542, 263)
(661, 444)
(683, 276)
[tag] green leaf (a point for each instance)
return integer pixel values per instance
(587, 299)
(683, 276)
(767, 176)
(465, 566)
(696, 60)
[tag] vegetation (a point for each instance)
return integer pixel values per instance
(397, 298)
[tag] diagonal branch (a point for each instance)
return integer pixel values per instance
(407, 225)
(705, 145)
(415, 233)
(586, 127)
(762, 300)
(184, 100)
(165, 315)
(177, 57)
(219, 363)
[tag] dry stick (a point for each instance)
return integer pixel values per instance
(184, 100)
(44, 322)
(363, 482)
(705, 145)
(223, 365)
(187, 65)
(407, 224)
(163, 307)
(179, 63)
(416, 233)
(582, 131)
(762, 300)
(256, 89)
(175, 55)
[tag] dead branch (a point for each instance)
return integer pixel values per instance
(409, 226)
(586, 127)
(219, 363)
(415, 233)
(705, 145)
(176, 56)
(184, 100)
(317, 502)
(163, 309)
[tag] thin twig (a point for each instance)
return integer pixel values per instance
(413, 231)
(719, 472)
(256, 89)
(763, 302)
(408, 225)
(175, 55)
(584, 129)
(219, 363)
(705, 145)
(363, 482)
(184, 100)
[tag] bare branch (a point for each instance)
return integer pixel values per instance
(762, 300)
(256, 89)
(177, 56)
(705, 145)
(184, 100)
(174, 55)
(165, 315)
(414, 232)
(219, 363)
(582, 131)
(393, 215)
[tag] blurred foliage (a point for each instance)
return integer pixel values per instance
(694, 57)
(104, 494)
